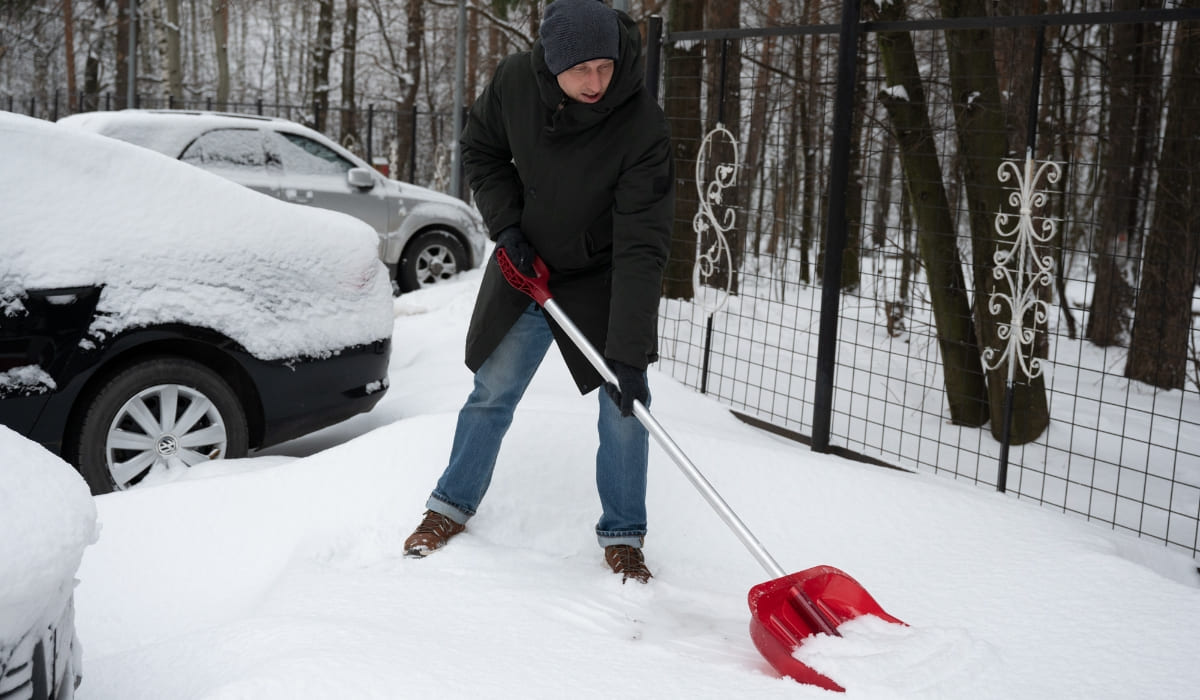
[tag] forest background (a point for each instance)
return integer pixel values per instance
(936, 110)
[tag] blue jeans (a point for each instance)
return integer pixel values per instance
(488, 412)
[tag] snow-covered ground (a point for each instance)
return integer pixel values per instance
(281, 576)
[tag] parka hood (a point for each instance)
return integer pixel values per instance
(628, 79)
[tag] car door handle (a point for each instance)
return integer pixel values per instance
(291, 194)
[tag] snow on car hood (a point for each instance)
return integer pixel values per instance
(47, 517)
(172, 243)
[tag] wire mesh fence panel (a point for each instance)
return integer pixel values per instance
(1093, 424)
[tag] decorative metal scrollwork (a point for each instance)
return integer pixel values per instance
(1021, 266)
(714, 256)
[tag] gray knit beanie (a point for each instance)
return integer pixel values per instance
(574, 31)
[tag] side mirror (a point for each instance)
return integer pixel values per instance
(360, 178)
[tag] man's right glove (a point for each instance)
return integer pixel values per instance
(517, 248)
(631, 385)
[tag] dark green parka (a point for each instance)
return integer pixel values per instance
(591, 187)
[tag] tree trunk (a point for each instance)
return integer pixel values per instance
(810, 186)
(164, 15)
(966, 389)
(221, 39)
(410, 83)
(724, 107)
(852, 255)
(1158, 351)
(983, 144)
(350, 135)
(752, 163)
(69, 44)
(685, 74)
(1113, 297)
(121, 79)
(322, 51)
(174, 67)
(94, 37)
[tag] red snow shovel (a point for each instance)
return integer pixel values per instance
(784, 611)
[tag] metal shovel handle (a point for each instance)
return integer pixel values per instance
(538, 288)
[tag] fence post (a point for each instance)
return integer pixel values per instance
(835, 230)
(412, 148)
(654, 39)
(1029, 273)
(370, 134)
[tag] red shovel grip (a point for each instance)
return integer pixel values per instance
(537, 287)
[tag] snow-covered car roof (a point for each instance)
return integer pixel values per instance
(47, 517)
(170, 131)
(175, 244)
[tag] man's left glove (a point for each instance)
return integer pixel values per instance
(631, 387)
(518, 249)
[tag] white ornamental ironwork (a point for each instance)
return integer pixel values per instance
(711, 258)
(1022, 267)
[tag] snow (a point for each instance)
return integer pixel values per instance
(47, 516)
(306, 282)
(282, 575)
(896, 92)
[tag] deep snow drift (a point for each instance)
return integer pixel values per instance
(281, 576)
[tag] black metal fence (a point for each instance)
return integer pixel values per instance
(826, 327)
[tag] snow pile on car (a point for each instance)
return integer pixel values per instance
(47, 519)
(174, 244)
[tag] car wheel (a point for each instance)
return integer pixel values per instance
(431, 257)
(159, 415)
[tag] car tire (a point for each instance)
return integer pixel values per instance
(124, 435)
(431, 257)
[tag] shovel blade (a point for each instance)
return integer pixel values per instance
(786, 611)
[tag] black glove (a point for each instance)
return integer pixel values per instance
(632, 386)
(517, 248)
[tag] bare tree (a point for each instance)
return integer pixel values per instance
(350, 135)
(322, 51)
(121, 82)
(725, 107)
(68, 10)
(220, 23)
(1113, 298)
(982, 146)
(1158, 351)
(904, 100)
(164, 16)
(682, 94)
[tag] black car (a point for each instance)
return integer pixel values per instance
(133, 344)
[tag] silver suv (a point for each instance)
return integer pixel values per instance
(424, 236)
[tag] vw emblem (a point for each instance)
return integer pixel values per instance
(167, 445)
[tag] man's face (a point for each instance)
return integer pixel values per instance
(587, 82)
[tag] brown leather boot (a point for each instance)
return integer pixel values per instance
(433, 533)
(628, 561)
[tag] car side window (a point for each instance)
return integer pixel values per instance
(301, 155)
(229, 149)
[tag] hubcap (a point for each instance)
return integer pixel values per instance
(162, 428)
(435, 263)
